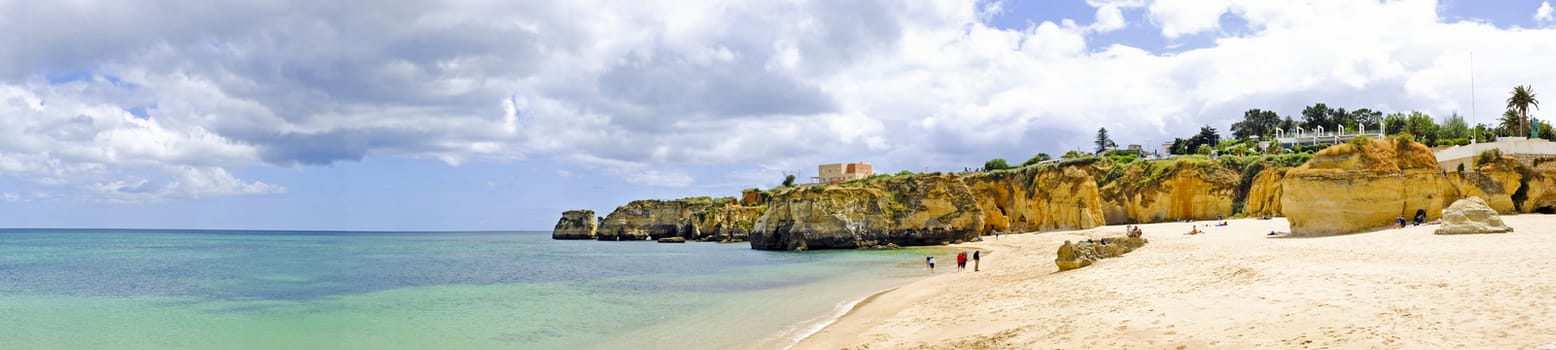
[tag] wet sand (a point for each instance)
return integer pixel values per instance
(1231, 287)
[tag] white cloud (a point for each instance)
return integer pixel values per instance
(1109, 18)
(1183, 17)
(650, 92)
(1543, 14)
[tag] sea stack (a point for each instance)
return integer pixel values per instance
(575, 224)
(1363, 185)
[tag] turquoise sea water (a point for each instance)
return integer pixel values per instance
(159, 289)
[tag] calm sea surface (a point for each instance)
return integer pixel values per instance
(162, 289)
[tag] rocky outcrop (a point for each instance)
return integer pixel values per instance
(1539, 191)
(1265, 192)
(1471, 215)
(730, 223)
(753, 197)
(672, 240)
(1170, 190)
(1082, 254)
(575, 224)
(1484, 185)
(1038, 198)
(1360, 186)
(902, 210)
(654, 219)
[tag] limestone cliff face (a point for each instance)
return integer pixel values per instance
(1510, 187)
(731, 223)
(654, 219)
(1066, 199)
(1487, 187)
(1265, 193)
(1351, 188)
(575, 224)
(1540, 191)
(1170, 190)
(907, 210)
(1038, 198)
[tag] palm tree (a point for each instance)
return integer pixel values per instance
(1509, 123)
(1523, 97)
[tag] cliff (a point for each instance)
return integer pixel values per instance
(730, 223)
(1265, 192)
(575, 224)
(654, 219)
(1038, 198)
(1364, 185)
(1169, 190)
(902, 210)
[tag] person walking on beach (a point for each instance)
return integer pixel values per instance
(961, 261)
(931, 261)
(975, 261)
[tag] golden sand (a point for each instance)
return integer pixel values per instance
(1231, 288)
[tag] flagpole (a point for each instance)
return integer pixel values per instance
(1476, 138)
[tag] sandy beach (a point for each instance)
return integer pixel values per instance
(1229, 288)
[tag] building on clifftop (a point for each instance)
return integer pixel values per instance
(839, 172)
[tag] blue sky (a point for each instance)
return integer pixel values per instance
(446, 116)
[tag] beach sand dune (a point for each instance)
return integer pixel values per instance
(1230, 288)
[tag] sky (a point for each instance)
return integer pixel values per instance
(499, 115)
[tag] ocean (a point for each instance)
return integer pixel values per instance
(181, 289)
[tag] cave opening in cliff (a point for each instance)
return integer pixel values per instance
(1545, 209)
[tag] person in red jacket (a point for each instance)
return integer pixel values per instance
(961, 261)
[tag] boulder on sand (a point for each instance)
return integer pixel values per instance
(1081, 254)
(1471, 215)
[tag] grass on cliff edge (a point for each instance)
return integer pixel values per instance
(1377, 155)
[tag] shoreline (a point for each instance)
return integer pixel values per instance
(843, 311)
(1231, 287)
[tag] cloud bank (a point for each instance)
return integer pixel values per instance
(167, 99)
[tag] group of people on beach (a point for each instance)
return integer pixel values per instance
(1133, 231)
(1419, 219)
(961, 260)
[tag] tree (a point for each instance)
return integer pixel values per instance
(1509, 123)
(1521, 99)
(1203, 150)
(1256, 123)
(995, 164)
(788, 180)
(1422, 127)
(1317, 115)
(1206, 136)
(1394, 123)
(1103, 141)
(1039, 158)
(1366, 117)
(1453, 127)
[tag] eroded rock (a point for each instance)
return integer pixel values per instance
(1082, 254)
(575, 224)
(1471, 215)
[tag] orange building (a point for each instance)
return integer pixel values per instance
(839, 172)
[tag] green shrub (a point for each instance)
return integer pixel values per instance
(1488, 156)
(1039, 158)
(996, 164)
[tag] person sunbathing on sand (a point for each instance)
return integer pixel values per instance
(1194, 230)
